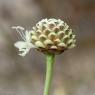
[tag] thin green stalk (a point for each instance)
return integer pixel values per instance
(49, 73)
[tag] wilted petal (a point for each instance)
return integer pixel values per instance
(23, 47)
(20, 44)
(24, 52)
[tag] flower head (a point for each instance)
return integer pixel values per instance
(52, 36)
(48, 36)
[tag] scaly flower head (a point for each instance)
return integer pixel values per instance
(52, 36)
(48, 36)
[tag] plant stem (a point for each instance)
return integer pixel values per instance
(49, 72)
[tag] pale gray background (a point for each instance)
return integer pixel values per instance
(74, 69)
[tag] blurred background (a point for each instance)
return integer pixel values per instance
(74, 71)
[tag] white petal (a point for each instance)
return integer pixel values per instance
(20, 44)
(24, 52)
(24, 47)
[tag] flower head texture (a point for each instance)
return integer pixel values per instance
(47, 36)
(52, 36)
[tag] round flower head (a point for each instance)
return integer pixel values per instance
(52, 36)
(48, 36)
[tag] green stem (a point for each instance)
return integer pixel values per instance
(49, 73)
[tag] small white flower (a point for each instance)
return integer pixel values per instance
(26, 45)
